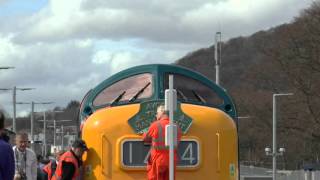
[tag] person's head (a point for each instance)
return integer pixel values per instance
(160, 111)
(1, 120)
(3, 135)
(58, 154)
(39, 157)
(22, 141)
(79, 147)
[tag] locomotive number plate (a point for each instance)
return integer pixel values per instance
(135, 154)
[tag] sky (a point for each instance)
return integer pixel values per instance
(63, 48)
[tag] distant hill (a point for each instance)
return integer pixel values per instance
(282, 59)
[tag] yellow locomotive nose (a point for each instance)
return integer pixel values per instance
(213, 132)
(116, 112)
(101, 132)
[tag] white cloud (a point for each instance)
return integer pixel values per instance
(84, 43)
(23, 113)
(7, 48)
(68, 47)
(102, 57)
(166, 21)
(240, 17)
(124, 60)
(120, 60)
(55, 70)
(65, 71)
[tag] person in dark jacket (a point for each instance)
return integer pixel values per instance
(41, 175)
(69, 164)
(7, 167)
(50, 169)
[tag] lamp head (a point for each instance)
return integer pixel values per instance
(282, 150)
(267, 150)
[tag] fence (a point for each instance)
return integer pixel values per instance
(300, 175)
(257, 173)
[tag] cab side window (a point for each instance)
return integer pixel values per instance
(126, 90)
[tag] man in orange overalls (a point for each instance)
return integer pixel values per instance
(158, 163)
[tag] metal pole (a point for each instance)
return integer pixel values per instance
(171, 148)
(313, 175)
(274, 133)
(54, 133)
(14, 109)
(62, 135)
(44, 134)
(32, 125)
(78, 126)
(274, 139)
(55, 127)
(217, 53)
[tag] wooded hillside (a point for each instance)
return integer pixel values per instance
(280, 60)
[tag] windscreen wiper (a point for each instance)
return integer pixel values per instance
(182, 95)
(118, 98)
(198, 97)
(139, 92)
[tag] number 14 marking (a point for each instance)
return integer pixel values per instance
(188, 151)
(186, 156)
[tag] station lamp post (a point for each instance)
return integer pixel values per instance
(55, 128)
(14, 93)
(55, 121)
(274, 152)
(21, 103)
(55, 125)
(44, 125)
(62, 135)
(217, 56)
(61, 132)
(32, 116)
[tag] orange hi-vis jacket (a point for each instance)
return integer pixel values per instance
(48, 169)
(67, 157)
(158, 163)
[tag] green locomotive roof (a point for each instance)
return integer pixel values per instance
(158, 71)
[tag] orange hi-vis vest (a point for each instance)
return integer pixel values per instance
(48, 169)
(156, 134)
(158, 141)
(66, 157)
